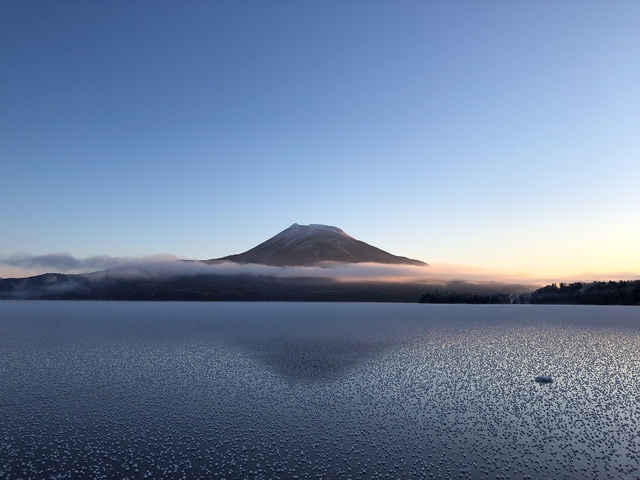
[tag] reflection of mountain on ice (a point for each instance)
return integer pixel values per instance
(315, 346)
(313, 359)
(304, 245)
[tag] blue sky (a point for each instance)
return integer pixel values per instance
(501, 135)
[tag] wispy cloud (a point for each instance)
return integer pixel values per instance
(66, 263)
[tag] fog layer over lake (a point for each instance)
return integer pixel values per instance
(278, 390)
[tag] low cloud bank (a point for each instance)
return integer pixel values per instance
(338, 271)
(435, 274)
(24, 265)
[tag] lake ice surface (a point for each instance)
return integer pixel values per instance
(320, 390)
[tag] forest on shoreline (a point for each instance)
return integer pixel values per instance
(623, 292)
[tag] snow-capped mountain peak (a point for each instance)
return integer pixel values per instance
(304, 245)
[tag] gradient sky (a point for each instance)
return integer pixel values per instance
(494, 134)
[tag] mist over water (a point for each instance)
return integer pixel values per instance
(274, 390)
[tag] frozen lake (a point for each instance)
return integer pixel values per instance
(327, 390)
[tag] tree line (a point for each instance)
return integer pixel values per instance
(624, 292)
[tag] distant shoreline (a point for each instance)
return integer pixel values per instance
(255, 288)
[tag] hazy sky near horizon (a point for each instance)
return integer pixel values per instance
(491, 134)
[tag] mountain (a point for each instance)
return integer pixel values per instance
(305, 245)
(298, 245)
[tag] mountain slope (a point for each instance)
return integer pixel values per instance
(304, 245)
